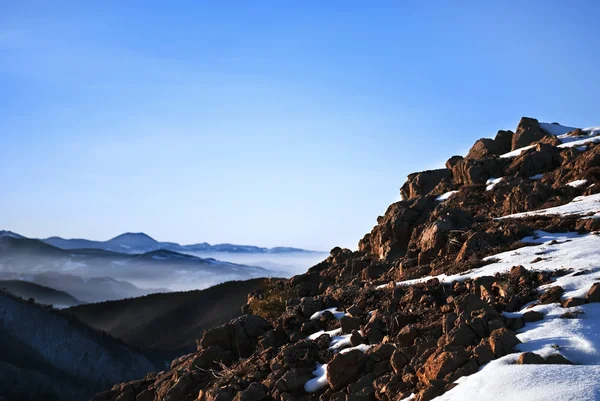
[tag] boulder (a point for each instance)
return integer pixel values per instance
(345, 368)
(452, 161)
(442, 363)
(348, 324)
(530, 358)
(593, 294)
(503, 342)
(471, 171)
(422, 183)
(482, 148)
(557, 359)
(254, 392)
(533, 316)
(406, 336)
(528, 131)
(503, 141)
(552, 295)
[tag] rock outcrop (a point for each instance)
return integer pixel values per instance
(410, 339)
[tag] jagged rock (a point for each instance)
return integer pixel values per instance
(442, 363)
(293, 380)
(374, 336)
(210, 356)
(345, 368)
(528, 131)
(570, 302)
(406, 336)
(453, 161)
(593, 294)
(239, 336)
(516, 272)
(503, 141)
(482, 148)
(503, 342)
(254, 392)
(471, 172)
(552, 295)
(389, 239)
(557, 359)
(422, 183)
(356, 338)
(530, 358)
(348, 324)
(541, 158)
(483, 352)
(532, 316)
(398, 361)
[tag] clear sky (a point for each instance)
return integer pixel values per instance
(265, 122)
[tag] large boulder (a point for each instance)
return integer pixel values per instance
(540, 159)
(503, 342)
(390, 237)
(239, 336)
(470, 172)
(528, 131)
(482, 148)
(422, 183)
(503, 141)
(345, 368)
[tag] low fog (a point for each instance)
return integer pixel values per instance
(92, 275)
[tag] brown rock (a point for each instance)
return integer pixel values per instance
(398, 361)
(533, 316)
(528, 131)
(350, 323)
(530, 358)
(483, 352)
(557, 359)
(452, 161)
(406, 336)
(440, 364)
(422, 183)
(483, 147)
(503, 342)
(570, 302)
(593, 294)
(503, 141)
(552, 295)
(345, 368)
(254, 392)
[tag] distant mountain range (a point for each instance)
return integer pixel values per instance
(142, 243)
(94, 274)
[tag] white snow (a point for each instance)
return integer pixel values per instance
(319, 381)
(320, 372)
(361, 347)
(339, 342)
(556, 129)
(491, 183)
(577, 339)
(332, 333)
(516, 152)
(338, 314)
(578, 206)
(505, 381)
(577, 183)
(536, 177)
(445, 196)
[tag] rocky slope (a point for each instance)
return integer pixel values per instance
(440, 296)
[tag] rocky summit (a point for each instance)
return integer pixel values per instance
(481, 279)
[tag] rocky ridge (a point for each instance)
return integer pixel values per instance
(349, 332)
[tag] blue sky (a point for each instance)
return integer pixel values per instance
(268, 122)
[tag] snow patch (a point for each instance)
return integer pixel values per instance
(577, 183)
(319, 381)
(445, 196)
(578, 206)
(338, 314)
(491, 183)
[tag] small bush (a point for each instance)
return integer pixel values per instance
(270, 302)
